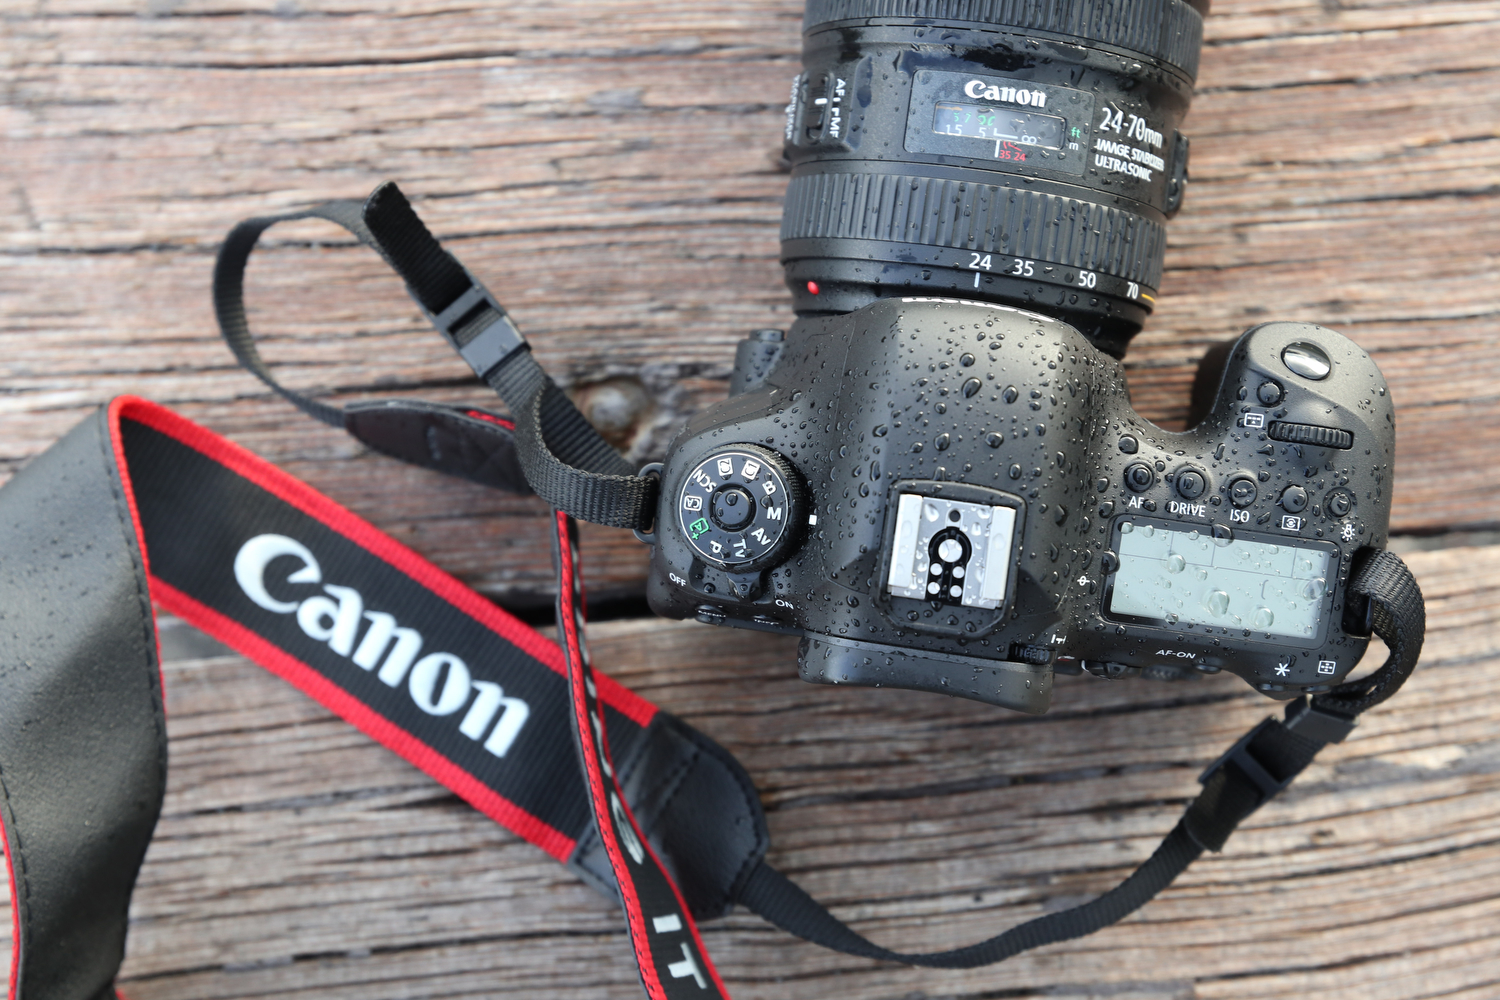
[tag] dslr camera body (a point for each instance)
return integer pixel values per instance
(957, 497)
(935, 477)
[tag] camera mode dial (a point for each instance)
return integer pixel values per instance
(739, 508)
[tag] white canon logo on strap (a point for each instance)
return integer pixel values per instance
(336, 619)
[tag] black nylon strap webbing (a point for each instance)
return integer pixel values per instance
(558, 454)
(567, 463)
(1265, 761)
(784, 904)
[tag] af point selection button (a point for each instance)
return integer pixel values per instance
(733, 507)
(1139, 476)
(1293, 499)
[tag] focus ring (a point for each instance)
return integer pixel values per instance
(1167, 30)
(986, 218)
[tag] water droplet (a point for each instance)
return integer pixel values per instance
(966, 360)
(1175, 563)
(1223, 535)
(1108, 561)
(994, 440)
(1011, 394)
(1127, 528)
(930, 511)
(971, 387)
(1264, 618)
(1172, 618)
(1147, 530)
(864, 489)
(942, 442)
(1313, 590)
(880, 430)
(1015, 472)
(1217, 603)
(917, 447)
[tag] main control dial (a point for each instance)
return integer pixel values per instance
(739, 508)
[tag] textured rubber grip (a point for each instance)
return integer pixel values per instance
(1169, 31)
(985, 218)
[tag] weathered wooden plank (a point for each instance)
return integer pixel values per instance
(295, 858)
(609, 168)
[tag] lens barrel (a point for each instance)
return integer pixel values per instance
(1016, 151)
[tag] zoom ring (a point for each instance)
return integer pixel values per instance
(986, 218)
(1167, 30)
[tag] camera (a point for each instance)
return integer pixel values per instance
(935, 477)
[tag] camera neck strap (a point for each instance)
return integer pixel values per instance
(139, 506)
(554, 451)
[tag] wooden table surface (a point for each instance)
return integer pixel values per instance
(609, 168)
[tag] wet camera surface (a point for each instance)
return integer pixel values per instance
(936, 477)
(977, 503)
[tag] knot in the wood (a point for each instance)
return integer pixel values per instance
(617, 407)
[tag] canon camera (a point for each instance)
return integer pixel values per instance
(935, 477)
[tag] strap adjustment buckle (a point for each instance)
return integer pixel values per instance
(1314, 723)
(491, 346)
(1244, 761)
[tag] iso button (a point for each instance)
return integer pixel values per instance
(740, 507)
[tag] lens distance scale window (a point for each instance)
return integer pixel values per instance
(737, 508)
(1006, 123)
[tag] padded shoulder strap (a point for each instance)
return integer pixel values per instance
(83, 749)
(139, 505)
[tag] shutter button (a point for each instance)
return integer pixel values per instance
(1307, 360)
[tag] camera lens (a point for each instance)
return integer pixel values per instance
(1016, 151)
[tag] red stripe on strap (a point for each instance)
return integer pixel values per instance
(324, 691)
(15, 915)
(359, 531)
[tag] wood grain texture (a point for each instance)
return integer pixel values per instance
(609, 169)
(297, 859)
